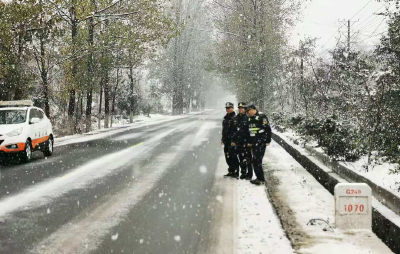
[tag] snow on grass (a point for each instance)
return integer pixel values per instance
(259, 229)
(305, 199)
(382, 174)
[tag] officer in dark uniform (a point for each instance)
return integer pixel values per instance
(228, 130)
(260, 138)
(240, 140)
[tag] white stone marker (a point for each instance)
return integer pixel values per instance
(353, 209)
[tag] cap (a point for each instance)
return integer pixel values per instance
(242, 105)
(251, 106)
(229, 105)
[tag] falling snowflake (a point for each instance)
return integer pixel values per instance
(114, 237)
(203, 169)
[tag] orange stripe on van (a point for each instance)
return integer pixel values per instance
(37, 141)
(21, 147)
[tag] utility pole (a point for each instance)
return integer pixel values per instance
(301, 63)
(348, 23)
(348, 35)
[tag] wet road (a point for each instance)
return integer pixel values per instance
(145, 190)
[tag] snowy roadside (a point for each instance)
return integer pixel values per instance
(243, 220)
(382, 174)
(118, 128)
(259, 229)
(299, 198)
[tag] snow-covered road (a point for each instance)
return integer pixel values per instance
(155, 187)
(158, 188)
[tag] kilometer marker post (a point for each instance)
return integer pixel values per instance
(353, 209)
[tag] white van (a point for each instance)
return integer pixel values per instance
(24, 129)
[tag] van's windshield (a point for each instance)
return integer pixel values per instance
(13, 116)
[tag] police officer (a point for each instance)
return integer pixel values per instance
(260, 138)
(240, 140)
(228, 130)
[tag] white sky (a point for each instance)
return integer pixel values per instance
(321, 19)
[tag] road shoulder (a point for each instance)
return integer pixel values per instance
(299, 198)
(243, 220)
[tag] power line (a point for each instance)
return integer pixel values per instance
(361, 9)
(371, 22)
(338, 31)
(378, 26)
(345, 23)
(350, 35)
(362, 22)
(319, 24)
(371, 37)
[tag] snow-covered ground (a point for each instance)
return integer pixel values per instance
(299, 198)
(259, 229)
(381, 173)
(243, 219)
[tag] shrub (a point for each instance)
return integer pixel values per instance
(342, 143)
(278, 119)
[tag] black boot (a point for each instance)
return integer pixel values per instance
(235, 175)
(229, 174)
(243, 176)
(257, 182)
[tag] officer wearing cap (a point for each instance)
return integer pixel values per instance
(228, 130)
(240, 140)
(260, 138)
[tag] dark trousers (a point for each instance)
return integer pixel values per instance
(231, 158)
(258, 151)
(244, 154)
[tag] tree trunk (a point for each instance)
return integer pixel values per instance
(106, 100)
(132, 99)
(88, 112)
(18, 89)
(89, 94)
(100, 104)
(74, 70)
(177, 100)
(43, 73)
(114, 95)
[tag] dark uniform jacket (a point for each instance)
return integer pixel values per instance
(259, 129)
(228, 128)
(242, 134)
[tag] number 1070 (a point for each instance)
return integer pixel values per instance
(354, 208)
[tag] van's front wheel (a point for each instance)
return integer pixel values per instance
(48, 151)
(27, 153)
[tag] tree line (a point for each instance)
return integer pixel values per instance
(65, 53)
(349, 102)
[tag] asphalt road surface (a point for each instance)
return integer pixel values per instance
(145, 190)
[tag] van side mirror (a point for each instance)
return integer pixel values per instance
(34, 120)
